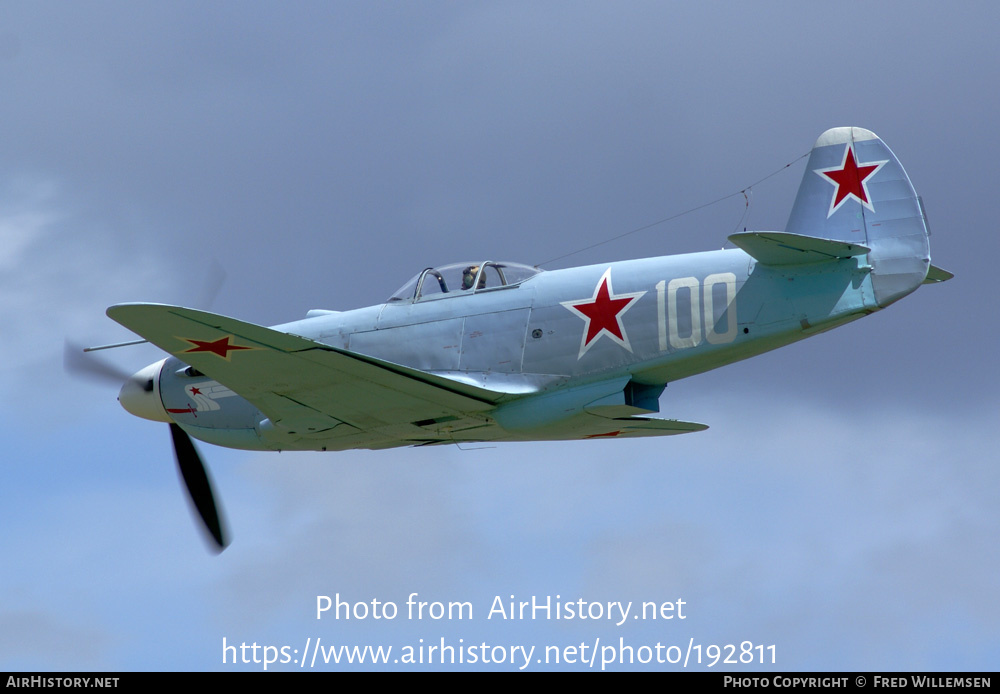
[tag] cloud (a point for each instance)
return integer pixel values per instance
(61, 265)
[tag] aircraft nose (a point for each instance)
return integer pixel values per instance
(141, 394)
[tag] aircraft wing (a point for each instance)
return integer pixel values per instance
(595, 427)
(305, 385)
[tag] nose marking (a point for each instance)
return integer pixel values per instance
(140, 396)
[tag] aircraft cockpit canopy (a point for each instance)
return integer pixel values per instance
(463, 278)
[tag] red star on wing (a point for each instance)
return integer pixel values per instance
(610, 434)
(850, 179)
(221, 347)
(602, 314)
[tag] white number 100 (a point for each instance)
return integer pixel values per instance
(719, 292)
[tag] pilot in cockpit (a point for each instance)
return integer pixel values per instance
(469, 277)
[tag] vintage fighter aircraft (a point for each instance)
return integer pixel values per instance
(498, 351)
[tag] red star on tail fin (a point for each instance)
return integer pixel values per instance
(850, 179)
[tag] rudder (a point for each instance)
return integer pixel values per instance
(855, 190)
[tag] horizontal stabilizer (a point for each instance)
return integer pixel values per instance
(936, 274)
(783, 248)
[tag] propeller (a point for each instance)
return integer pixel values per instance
(138, 389)
(198, 485)
(140, 395)
(91, 367)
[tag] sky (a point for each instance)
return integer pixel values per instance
(841, 508)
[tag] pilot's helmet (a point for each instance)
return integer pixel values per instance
(469, 276)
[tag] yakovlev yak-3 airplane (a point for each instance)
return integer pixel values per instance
(498, 351)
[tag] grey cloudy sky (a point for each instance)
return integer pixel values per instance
(841, 507)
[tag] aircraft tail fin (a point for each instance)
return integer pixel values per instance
(855, 191)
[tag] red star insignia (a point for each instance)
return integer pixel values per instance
(599, 436)
(602, 314)
(221, 347)
(194, 391)
(850, 180)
